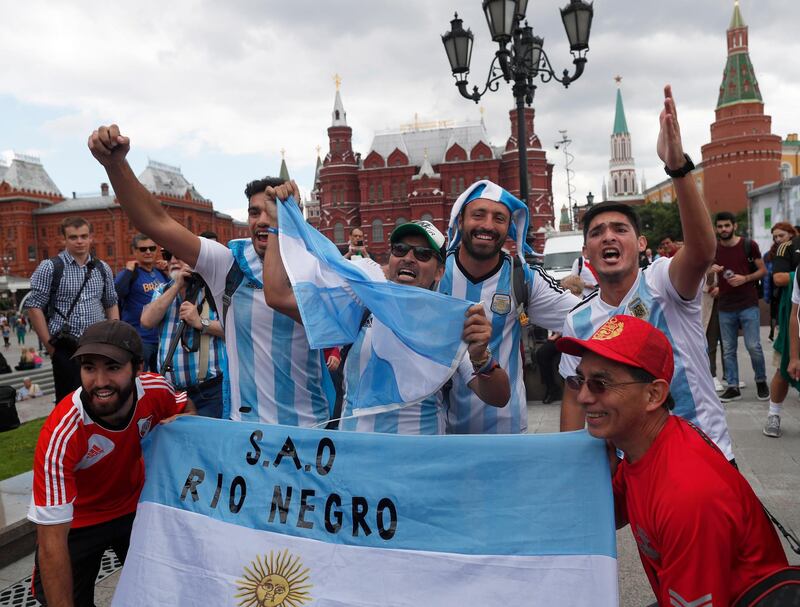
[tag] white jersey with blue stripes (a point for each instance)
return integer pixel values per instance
(548, 305)
(274, 376)
(424, 417)
(653, 298)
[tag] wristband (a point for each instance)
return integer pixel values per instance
(486, 369)
(271, 230)
(687, 168)
(480, 363)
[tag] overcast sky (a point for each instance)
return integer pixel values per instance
(219, 88)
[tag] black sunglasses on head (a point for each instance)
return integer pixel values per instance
(152, 249)
(401, 249)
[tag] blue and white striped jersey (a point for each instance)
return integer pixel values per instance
(424, 417)
(653, 298)
(548, 305)
(273, 375)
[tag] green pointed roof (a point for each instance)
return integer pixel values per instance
(736, 19)
(620, 125)
(739, 84)
(284, 174)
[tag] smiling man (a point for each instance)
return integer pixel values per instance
(88, 469)
(702, 534)
(666, 293)
(478, 270)
(259, 341)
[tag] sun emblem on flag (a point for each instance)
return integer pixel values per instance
(609, 330)
(277, 580)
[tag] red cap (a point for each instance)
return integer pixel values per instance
(627, 340)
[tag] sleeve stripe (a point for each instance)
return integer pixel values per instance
(54, 458)
(549, 280)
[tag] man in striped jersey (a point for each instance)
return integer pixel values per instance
(259, 341)
(666, 294)
(198, 361)
(478, 270)
(88, 469)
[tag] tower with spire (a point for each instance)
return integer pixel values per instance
(622, 169)
(339, 193)
(742, 147)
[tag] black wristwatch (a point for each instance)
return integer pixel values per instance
(204, 322)
(687, 168)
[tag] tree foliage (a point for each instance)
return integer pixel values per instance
(658, 220)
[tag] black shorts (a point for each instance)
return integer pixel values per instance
(86, 547)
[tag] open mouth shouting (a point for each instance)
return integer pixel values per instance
(407, 274)
(610, 254)
(261, 236)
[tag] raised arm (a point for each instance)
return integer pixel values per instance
(110, 148)
(277, 288)
(692, 261)
(490, 382)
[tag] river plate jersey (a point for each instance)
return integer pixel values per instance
(273, 376)
(87, 474)
(424, 417)
(653, 298)
(548, 305)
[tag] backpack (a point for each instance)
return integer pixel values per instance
(120, 299)
(751, 262)
(780, 589)
(55, 282)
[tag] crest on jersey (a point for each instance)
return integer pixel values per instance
(144, 425)
(638, 309)
(501, 303)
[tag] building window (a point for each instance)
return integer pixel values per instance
(395, 190)
(427, 217)
(453, 186)
(460, 184)
(371, 197)
(400, 221)
(377, 231)
(380, 192)
(768, 218)
(338, 233)
(110, 250)
(31, 253)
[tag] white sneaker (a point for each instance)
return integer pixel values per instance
(741, 384)
(718, 386)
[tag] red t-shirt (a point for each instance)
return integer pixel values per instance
(734, 258)
(88, 474)
(700, 529)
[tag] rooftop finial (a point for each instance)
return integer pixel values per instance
(283, 153)
(618, 79)
(338, 80)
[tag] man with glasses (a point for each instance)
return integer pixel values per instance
(702, 533)
(416, 260)
(666, 294)
(135, 286)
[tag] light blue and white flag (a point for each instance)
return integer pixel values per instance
(249, 515)
(416, 339)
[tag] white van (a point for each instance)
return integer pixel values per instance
(561, 249)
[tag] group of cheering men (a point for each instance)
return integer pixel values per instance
(634, 362)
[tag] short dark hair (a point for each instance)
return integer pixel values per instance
(607, 207)
(260, 185)
(641, 375)
(139, 238)
(665, 237)
(210, 234)
(73, 222)
(725, 216)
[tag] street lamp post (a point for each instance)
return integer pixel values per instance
(523, 61)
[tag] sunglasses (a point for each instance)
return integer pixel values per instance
(596, 386)
(166, 255)
(401, 249)
(146, 249)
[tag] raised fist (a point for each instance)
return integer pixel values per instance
(108, 146)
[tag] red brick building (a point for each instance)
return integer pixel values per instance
(417, 172)
(32, 208)
(742, 152)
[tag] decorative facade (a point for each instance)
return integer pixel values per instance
(417, 172)
(33, 207)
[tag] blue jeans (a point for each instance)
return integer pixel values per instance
(150, 356)
(207, 397)
(729, 323)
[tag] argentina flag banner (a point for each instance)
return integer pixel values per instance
(249, 515)
(416, 333)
